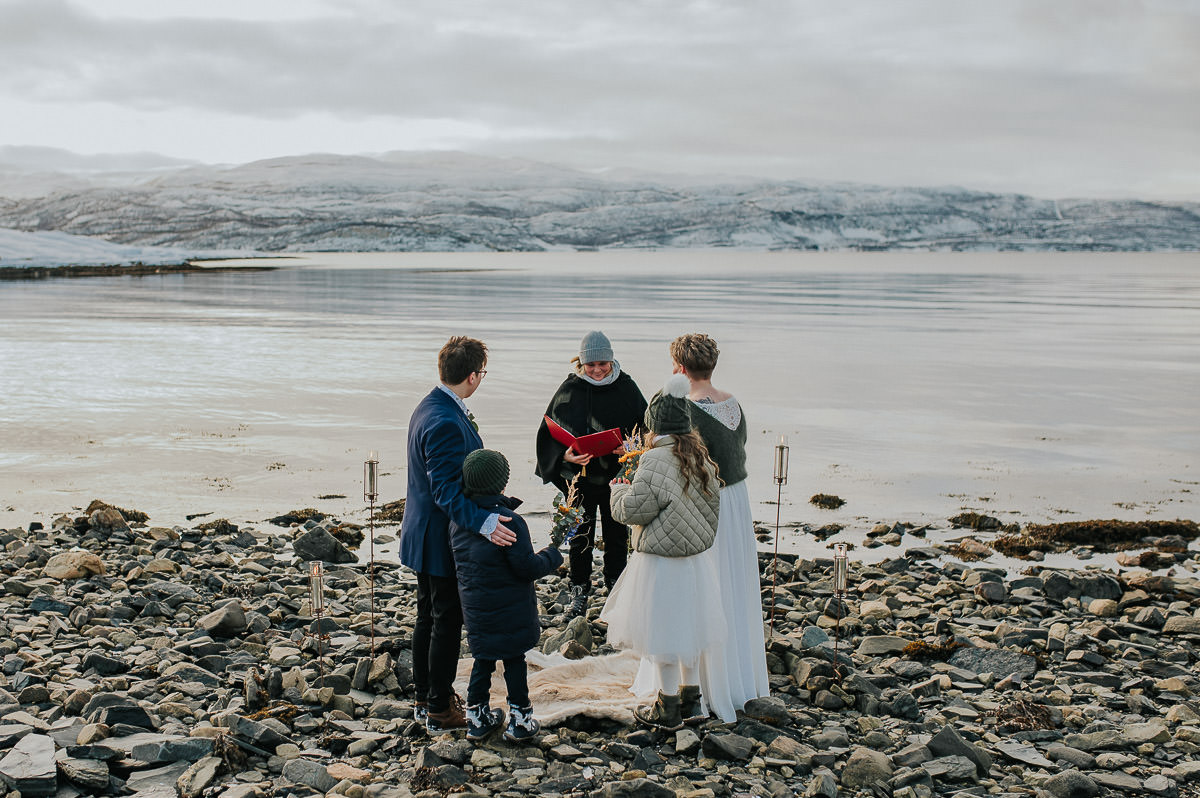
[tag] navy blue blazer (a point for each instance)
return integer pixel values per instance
(439, 438)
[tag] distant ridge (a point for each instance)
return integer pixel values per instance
(456, 202)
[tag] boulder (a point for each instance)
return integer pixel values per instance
(228, 620)
(317, 544)
(1182, 625)
(73, 565)
(866, 768)
(29, 767)
(1071, 784)
(948, 742)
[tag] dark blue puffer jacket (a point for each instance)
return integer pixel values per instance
(495, 583)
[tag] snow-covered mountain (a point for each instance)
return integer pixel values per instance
(48, 250)
(452, 201)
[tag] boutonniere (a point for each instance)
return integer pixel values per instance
(471, 418)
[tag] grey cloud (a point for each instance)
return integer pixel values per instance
(823, 89)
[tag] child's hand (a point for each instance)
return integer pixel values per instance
(620, 481)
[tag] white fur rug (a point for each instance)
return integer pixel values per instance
(560, 688)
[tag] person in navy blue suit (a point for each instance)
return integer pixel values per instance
(441, 433)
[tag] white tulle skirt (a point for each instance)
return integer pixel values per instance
(734, 671)
(666, 609)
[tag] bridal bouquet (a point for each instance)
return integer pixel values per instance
(567, 515)
(634, 444)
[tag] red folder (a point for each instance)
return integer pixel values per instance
(597, 444)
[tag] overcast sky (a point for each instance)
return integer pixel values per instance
(1049, 97)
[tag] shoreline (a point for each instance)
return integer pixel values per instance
(12, 273)
(179, 659)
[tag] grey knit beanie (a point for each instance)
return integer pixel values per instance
(485, 473)
(667, 413)
(595, 347)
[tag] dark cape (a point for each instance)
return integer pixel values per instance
(582, 409)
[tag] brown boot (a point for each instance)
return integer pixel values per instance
(453, 717)
(689, 705)
(662, 714)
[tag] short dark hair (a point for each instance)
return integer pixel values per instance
(461, 357)
(697, 353)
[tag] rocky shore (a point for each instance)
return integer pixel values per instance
(148, 660)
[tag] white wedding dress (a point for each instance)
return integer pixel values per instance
(735, 671)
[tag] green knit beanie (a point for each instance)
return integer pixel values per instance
(667, 413)
(485, 473)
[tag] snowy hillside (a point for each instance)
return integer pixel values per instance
(23, 250)
(457, 202)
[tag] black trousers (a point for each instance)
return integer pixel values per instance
(515, 678)
(436, 640)
(595, 497)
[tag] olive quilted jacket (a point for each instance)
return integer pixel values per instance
(666, 520)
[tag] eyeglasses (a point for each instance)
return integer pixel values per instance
(481, 373)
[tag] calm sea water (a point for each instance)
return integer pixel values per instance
(1031, 387)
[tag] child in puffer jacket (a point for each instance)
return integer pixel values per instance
(499, 602)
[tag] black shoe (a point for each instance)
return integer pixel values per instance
(482, 720)
(522, 725)
(579, 602)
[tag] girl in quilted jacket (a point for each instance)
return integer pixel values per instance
(664, 607)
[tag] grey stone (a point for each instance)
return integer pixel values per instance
(128, 714)
(1154, 731)
(951, 768)
(11, 732)
(1097, 740)
(999, 662)
(228, 620)
(833, 737)
(1071, 784)
(880, 645)
(866, 767)
(309, 773)
(187, 748)
(1118, 780)
(193, 781)
(577, 630)
(29, 766)
(88, 774)
(813, 636)
(948, 742)
(187, 672)
(1182, 625)
(1187, 771)
(636, 788)
(912, 755)
(728, 746)
(1025, 754)
(768, 710)
(317, 544)
(166, 776)
(257, 734)
(822, 785)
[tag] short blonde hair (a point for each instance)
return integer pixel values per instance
(697, 353)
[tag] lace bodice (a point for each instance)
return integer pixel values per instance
(728, 412)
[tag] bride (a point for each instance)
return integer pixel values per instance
(735, 672)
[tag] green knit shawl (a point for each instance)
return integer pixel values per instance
(726, 446)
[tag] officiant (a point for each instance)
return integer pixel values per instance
(597, 396)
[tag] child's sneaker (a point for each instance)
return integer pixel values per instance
(522, 725)
(482, 720)
(421, 712)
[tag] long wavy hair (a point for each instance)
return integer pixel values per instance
(693, 459)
